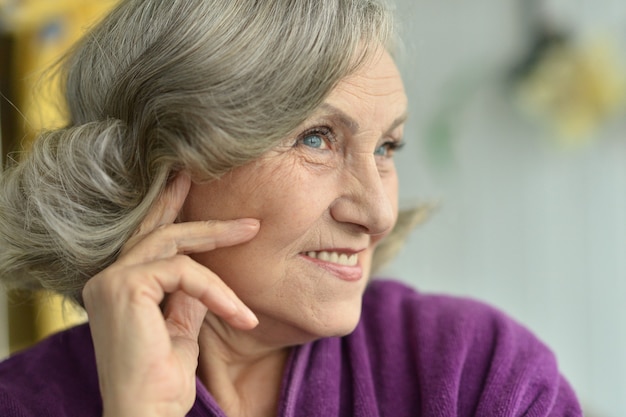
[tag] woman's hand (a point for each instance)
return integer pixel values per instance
(147, 357)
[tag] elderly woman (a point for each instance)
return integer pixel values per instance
(217, 204)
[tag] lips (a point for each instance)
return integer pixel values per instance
(335, 257)
(342, 264)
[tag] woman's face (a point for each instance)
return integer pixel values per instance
(325, 198)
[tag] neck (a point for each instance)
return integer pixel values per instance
(241, 373)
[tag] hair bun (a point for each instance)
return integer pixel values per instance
(65, 207)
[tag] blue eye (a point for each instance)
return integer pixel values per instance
(387, 149)
(316, 138)
(313, 141)
(381, 150)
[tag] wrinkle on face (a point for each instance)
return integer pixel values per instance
(296, 193)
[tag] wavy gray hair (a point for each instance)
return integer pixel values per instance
(164, 85)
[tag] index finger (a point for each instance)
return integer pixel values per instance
(189, 237)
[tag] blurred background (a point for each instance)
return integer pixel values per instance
(516, 135)
(33, 35)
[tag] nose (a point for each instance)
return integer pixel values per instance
(366, 200)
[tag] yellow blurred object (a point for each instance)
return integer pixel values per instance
(21, 15)
(39, 32)
(53, 314)
(575, 89)
(43, 32)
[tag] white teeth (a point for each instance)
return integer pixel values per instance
(343, 259)
(334, 257)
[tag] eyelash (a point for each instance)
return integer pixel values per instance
(324, 132)
(327, 134)
(391, 146)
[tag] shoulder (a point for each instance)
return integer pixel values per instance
(56, 377)
(459, 321)
(477, 355)
(394, 307)
(400, 297)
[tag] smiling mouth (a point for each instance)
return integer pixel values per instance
(335, 257)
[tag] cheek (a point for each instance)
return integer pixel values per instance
(290, 209)
(292, 198)
(236, 195)
(289, 201)
(209, 202)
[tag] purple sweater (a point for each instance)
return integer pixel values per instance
(411, 355)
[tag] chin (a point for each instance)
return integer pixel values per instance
(333, 322)
(345, 330)
(337, 323)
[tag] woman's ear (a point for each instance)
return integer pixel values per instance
(181, 180)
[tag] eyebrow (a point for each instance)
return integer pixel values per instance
(352, 124)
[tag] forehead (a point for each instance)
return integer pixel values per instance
(374, 90)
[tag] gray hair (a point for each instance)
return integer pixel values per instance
(160, 86)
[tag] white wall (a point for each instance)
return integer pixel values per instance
(529, 226)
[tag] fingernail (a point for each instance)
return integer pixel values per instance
(242, 228)
(248, 222)
(246, 317)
